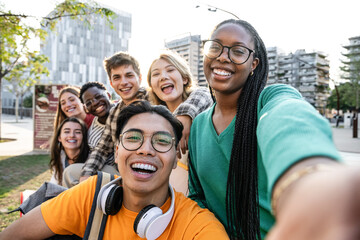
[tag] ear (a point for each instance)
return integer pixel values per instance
(116, 153)
(140, 79)
(59, 139)
(185, 81)
(85, 108)
(175, 162)
(254, 64)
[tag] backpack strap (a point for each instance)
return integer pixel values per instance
(97, 220)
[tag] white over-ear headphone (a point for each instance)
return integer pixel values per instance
(150, 223)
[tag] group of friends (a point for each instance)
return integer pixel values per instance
(246, 161)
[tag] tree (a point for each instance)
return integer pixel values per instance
(24, 75)
(15, 34)
(351, 72)
(346, 101)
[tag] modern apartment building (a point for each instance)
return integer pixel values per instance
(307, 72)
(352, 54)
(190, 48)
(76, 51)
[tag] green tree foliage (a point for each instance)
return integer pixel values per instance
(16, 59)
(28, 101)
(346, 97)
(351, 73)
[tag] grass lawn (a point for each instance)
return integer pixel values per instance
(16, 175)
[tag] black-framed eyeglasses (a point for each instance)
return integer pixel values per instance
(97, 97)
(237, 54)
(133, 139)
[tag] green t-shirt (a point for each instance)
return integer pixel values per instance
(289, 129)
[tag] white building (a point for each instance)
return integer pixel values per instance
(77, 51)
(190, 48)
(307, 72)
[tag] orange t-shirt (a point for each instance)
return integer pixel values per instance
(68, 214)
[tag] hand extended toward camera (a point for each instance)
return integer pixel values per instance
(324, 205)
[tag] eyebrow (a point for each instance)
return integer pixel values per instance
(70, 129)
(234, 44)
(169, 65)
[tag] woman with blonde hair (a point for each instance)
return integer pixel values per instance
(171, 84)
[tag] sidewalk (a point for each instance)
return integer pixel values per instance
(23, 133)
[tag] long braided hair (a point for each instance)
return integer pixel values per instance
(242, 196)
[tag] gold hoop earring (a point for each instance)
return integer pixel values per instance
(252, 73)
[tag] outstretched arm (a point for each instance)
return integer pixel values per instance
(317, 199)
(30, 226)
(198, 101)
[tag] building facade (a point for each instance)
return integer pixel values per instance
(190, 48)
(307, 72)
(76, 51)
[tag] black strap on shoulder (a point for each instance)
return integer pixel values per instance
(90, 223)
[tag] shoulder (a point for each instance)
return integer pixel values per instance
(277, 90)
(196, 220)
(204, 115)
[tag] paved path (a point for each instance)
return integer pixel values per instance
(23, 133)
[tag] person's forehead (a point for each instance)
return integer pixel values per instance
(234, 33)
(71, 125)
(123, 69)
(148, 123)
(92, 91)
(67, 95)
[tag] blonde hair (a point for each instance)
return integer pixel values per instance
(181, 65)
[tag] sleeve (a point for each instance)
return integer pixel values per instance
(196, 192)
(68, 213)
(103, 149)
(289, 130)
(198, 101)
(204, 225)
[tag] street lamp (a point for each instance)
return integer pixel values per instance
(214, 9)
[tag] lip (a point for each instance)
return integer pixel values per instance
(165, 85)
(100, 108)
(70, 109)
(140, 175)
(71, 141)
(125, 89)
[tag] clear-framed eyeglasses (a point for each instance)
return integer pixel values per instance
(97, 98)
(237, 54)
(133, 139)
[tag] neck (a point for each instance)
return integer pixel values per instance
(82, 116)
(102, 119)
(72, 153)
(136, 201)
(173, 105)
(226, 103)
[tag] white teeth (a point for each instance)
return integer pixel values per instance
(166, 85)
(71, 110)
(99, 109)
(125, 89)
(222, 72)
(71, 141)
(147, 167)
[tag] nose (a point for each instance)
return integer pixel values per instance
(224, 56)
(163, 76)
(146, 148)
(72, 134)
(67, 103)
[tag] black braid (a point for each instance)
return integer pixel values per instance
(242, 196)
